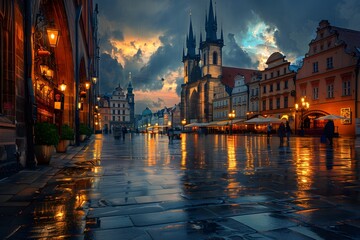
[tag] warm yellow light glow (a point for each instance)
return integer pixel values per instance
(43, 68)
(87, 85)
(63, 87)
(53, 36)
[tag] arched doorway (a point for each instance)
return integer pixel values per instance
(194, 106)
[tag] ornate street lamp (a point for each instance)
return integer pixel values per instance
(231, 117)
(302, 107)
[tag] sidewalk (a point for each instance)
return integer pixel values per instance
(19, 190)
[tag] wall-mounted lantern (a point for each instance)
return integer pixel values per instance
(53, 36)
(87, 85)
(63, 86)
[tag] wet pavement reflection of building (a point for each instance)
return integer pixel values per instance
(199, 187)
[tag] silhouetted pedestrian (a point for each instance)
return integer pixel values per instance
(281, 133)
(123, 131)
(268, 129)
(329, 130)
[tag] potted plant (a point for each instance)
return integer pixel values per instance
(66, 135)
(84, 131)
(46, 137)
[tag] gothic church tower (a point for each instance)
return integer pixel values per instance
(191, 59)
(211, 48)
(202, 72)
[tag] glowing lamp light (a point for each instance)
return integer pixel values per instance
(87, 85)
(63, 86)
(94, 79)
(53, 36)
(44, 68)
(49, 74)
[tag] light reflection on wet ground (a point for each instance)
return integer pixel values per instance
(203, 187)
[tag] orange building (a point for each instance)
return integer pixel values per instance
(328, 79)
(34, 70)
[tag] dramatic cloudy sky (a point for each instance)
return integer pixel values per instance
(146, 38)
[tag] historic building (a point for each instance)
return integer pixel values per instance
(253, 96)
(36, 66)
(197, 92)
(122, 107)
(105, 114)
(329, 79)
(232, 94)
(277, 88)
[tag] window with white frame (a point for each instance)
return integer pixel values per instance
(316, 93)
(315, 67)
(329, 63)
(286, 84)
(330, 90)
(346, 88)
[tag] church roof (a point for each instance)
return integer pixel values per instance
(229, 74)
(147, 112)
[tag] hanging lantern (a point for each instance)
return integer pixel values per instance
(53, 36)
(63, 86)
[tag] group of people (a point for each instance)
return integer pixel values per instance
(284, 130)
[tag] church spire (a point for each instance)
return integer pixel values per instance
(211, 24)
(191, 41)
(130, 88)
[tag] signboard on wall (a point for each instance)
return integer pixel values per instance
(345, 112)
(58, 100)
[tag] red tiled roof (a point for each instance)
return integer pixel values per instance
(229, 74)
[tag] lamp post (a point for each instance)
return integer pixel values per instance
(302, 107)
(231, 117)
(183, 123)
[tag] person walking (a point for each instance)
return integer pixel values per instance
(170, 134)
(124, 131)
(268, 130)
(281, 133)
(329, 130)
(288, 131)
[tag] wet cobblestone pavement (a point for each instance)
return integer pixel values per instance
(200, 187)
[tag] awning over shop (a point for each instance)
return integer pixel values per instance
(196, 125)
(224, 122)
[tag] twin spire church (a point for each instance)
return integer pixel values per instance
(203, 71)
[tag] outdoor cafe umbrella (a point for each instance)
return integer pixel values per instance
(262, 120)
(330, 117)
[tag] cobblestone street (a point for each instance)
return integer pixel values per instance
(198, 187)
